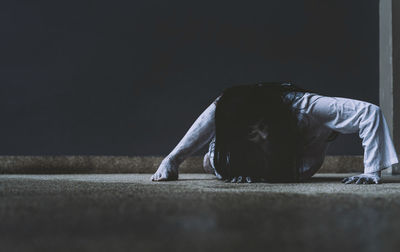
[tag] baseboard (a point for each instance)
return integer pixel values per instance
(134, 164)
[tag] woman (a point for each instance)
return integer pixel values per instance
(277, 132)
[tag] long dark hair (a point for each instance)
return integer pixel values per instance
(256, 132)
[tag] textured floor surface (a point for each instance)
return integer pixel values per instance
(127, 212)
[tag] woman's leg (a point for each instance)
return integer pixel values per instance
(199, 134)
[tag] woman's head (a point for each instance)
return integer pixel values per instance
(256, 133)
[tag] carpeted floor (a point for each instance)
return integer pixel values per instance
(127, 212)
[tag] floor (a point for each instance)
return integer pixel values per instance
(127, 212)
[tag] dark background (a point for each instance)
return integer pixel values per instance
(130, 77)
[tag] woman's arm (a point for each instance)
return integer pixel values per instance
(198, 135)
(353, 116)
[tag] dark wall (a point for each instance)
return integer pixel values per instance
(129, 77)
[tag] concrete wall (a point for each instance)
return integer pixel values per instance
(389, 80)
(128, 78)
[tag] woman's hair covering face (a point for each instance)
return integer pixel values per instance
(256, 133)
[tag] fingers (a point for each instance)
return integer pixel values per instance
(373, 180)
(368, 181)
(362, 180)
(241, 179)
(345, 180)
(377, 180)
(159, 177)
(350, 180)
(162, 179)
(353, 179)
(155, 177)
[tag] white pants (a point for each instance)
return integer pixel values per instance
(321, 116)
